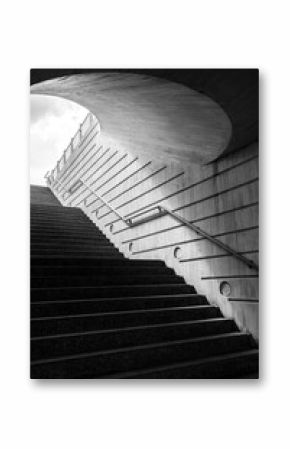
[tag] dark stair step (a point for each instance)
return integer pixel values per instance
(48, 239)
(77, 343)
(75, 246)
(57, 220)
(87, 306)
(70, 239)
(79, 270)
(66, 232)
(93, 252)
(73, 259)
(59, 214)
(58, 217)
(108, 291)
(71, 247)
(62, 225)
(64, 217)
(243, 364)
(103, 363)
(93, 261)
(72, 243)
(109, 320)
(105, 279)
(60, 211)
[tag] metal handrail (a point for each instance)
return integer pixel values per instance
(105, 202)
(212, 239)
(162, 211)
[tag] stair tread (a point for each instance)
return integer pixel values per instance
(109, 286)
(181, 295)
(131, 328)
(218, 358)
(123, 312)
(140, 347)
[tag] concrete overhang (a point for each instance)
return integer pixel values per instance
(150, 114)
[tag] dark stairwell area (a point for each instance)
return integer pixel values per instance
(96, 314)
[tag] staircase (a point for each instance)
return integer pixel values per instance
(96, 314)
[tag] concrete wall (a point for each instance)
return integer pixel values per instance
(221, 198)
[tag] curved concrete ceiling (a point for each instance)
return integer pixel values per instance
(146, 114)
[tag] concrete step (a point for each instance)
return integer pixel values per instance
(67, 239)
(92, 305)
(51, 208)
(77, 343)
(81, 252)
(65, 213)
(82, 232)
(75, 247)
(107, 291)
(59, 216)
(56, 227)
(65, 222)
(79, 270)
(63, 324)
(242, 364)
(92, 261)
(56, 212)
(72, 247)
(104, 363)
(71, 243)
(67, 234)
(104, 279)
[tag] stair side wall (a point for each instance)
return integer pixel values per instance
(221, 198)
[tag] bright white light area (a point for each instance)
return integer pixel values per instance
(53, 122)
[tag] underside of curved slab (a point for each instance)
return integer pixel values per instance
(144, 114)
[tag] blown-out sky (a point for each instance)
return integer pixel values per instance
(53, 121)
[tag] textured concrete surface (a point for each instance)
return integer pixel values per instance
(148, 115)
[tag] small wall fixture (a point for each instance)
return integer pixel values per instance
(111, 227)
(97, 212)
(130, 247)
(225, 288)
(177, 252)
